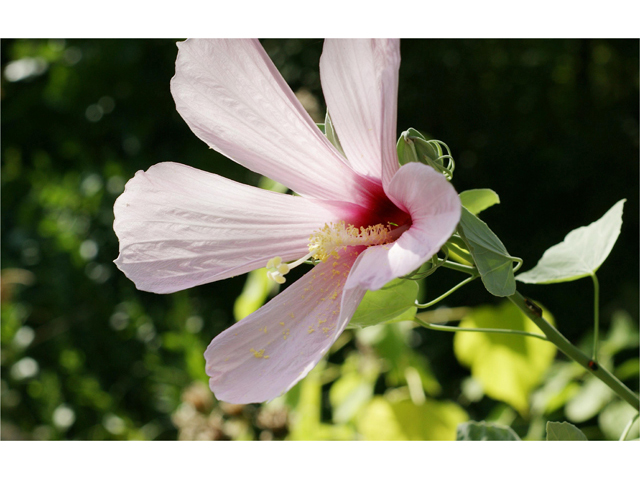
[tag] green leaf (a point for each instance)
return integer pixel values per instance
(389, 418)
(331, 134)
(267, 184)
(581, 253)
(564, 431)
(558, 387)
(614, 419)
(592, 397)
(395, 302)
(306, 419)
(354, 388)
(479, 199)
(321, 127)
(392, 342)
(479, 431)
(507, 366)
(489, 254)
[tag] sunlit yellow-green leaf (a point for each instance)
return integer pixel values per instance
(507, 366)
(479, 199)
(387, 418)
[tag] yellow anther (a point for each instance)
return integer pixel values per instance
(333, 237)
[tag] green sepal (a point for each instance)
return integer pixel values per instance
(408, 150)
(413, 146)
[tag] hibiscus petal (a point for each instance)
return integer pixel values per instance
(179, 227)
(268, 352)
(434, 207)
(234, 99)
(360, 85)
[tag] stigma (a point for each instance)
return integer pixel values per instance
(329, 242)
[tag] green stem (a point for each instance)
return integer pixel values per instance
(596, 315)
(460, 268)
(574, 353)
(627, 429)
(445, 328)
(446, 294)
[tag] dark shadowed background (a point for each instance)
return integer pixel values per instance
(550, 125)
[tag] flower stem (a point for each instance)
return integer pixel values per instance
(596, 315)
(446, 294)
(573, 352)
(447, 328)
(460, 268)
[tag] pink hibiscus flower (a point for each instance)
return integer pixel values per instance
(364, 218)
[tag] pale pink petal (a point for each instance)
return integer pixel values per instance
(265, 354)
(179, 227)
(234, 99)
(360, 85)
(435, 208)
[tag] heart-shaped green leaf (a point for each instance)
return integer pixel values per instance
(581, 253)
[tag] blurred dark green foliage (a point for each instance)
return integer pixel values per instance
(551, 125)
